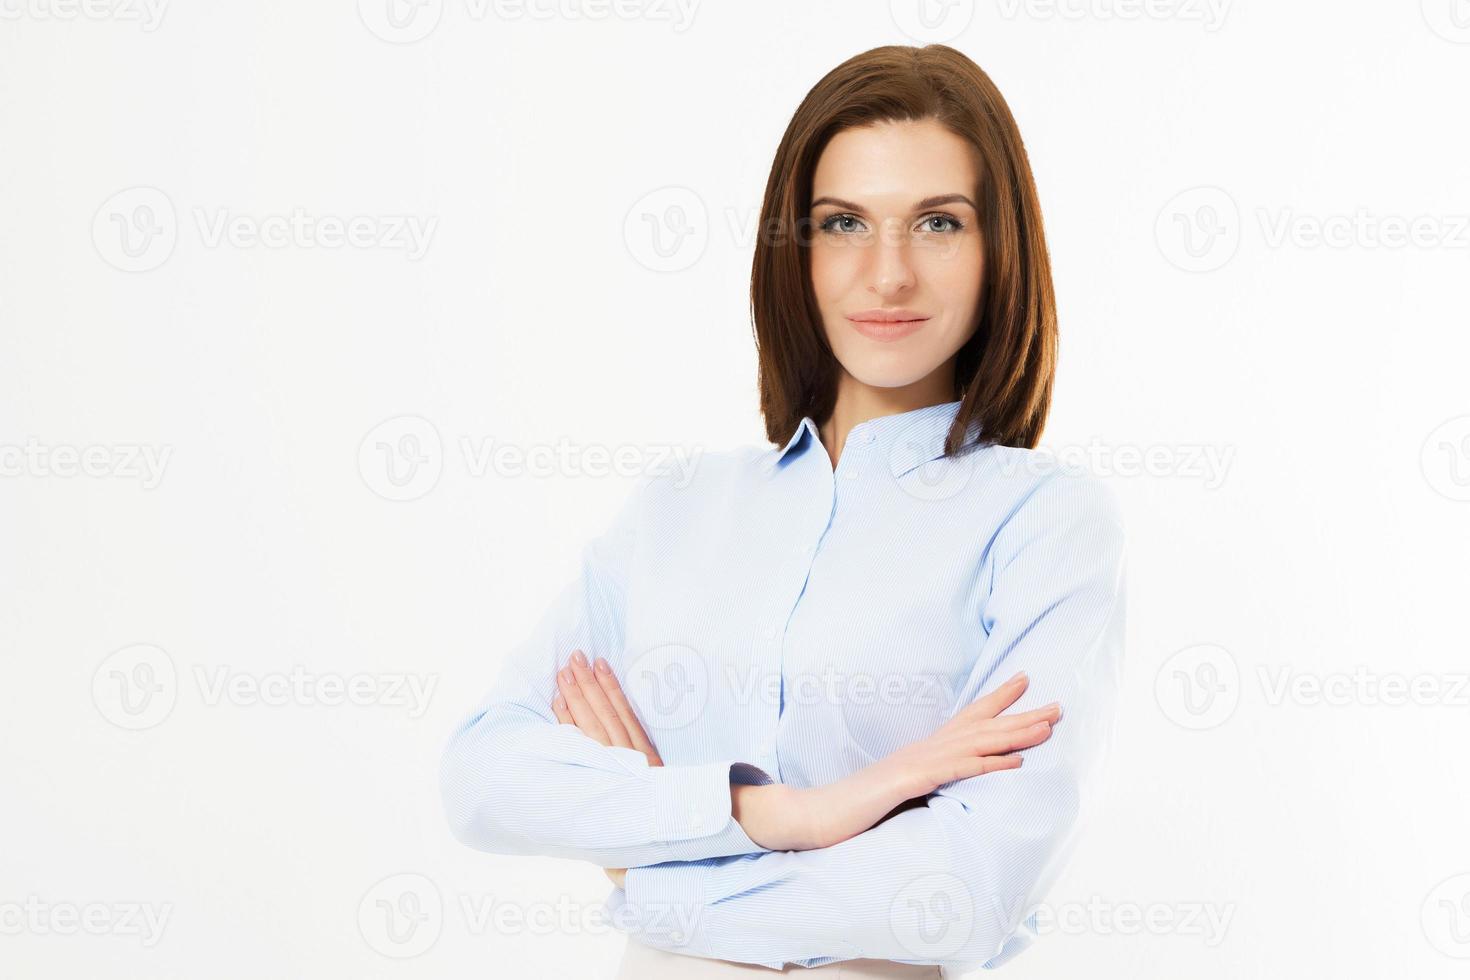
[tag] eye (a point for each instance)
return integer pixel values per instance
(832, 223)
(948, 223)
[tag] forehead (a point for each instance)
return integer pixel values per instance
(896, 162)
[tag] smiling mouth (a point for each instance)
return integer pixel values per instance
(887, 327)
(887, 316)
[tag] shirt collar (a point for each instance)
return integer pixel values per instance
(907, 439)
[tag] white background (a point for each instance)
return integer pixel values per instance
(1185, 156)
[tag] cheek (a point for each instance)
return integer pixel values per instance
(832, 270)
(955, 273)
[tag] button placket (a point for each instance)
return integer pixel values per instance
(788, 585)
(855, 455)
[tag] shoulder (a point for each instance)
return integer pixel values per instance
(1057, 502)
(695, 473)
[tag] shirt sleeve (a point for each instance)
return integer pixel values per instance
(956, 882)
(516, 781)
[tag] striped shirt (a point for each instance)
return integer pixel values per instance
(773, 618)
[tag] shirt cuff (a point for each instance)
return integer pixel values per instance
(662, 903)
(694, 802)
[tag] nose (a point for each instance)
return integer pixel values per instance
(892, 268)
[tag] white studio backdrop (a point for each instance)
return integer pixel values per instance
(279, 281)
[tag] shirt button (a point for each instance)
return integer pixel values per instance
(868, 437)
(771, 633)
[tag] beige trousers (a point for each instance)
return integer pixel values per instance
(642, 962)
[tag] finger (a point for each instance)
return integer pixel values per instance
(559, 708)
(597, 698)
(963, 768)
(987, 763)
(614, 691)
(1050, 713)
(994, 743)
(992, 704)
(582, 714)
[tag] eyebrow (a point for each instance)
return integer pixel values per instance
(928, 202)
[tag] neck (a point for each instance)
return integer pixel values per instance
(857, 402)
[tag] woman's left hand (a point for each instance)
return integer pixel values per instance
(592, 700)
(589, 697)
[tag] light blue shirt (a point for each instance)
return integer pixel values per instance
(779, 619)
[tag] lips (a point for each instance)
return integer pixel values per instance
(887, 324)
(887, 316)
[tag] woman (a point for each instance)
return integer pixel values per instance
(787, 706)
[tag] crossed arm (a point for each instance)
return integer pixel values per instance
(790, 819)
(948, 882)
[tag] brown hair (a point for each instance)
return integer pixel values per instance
(1003, 374)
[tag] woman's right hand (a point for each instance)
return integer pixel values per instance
(977, 740)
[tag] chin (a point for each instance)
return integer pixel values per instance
(881, 373)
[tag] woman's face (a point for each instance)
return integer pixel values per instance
(896, 234)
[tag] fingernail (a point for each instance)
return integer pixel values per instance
(580, 658)
(1019, 674)
(602, 667)
(565, 674)
(556, 701)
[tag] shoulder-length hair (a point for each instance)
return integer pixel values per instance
(1003, 374)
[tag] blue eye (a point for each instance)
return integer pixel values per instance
(830, 223)
(848, 223)
(954, 223)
